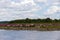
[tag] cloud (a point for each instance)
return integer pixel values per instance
(41, 1)
(55, 2)
(10, 10)
(22, 3)
(52, 10)
(18, 9)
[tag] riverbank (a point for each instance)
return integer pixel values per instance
(32, 26)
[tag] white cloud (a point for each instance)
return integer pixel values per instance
(52, 10)
(45, 2)
(10, 10)
(42, 1)
(23, 3)
(15, 9)
(28, 1)
(55, 2)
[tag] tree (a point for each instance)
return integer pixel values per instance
(55, 20)
(48, 20)
(27, 20)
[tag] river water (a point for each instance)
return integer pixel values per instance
(29, 35)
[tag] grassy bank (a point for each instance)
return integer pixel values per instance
(39, 28)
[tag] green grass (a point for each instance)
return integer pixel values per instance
(51, 28)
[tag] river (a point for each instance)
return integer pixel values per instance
(29, 35)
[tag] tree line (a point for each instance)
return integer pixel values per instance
(27, 20)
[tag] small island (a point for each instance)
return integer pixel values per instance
(31, 24)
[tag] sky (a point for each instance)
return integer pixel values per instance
(21, 9)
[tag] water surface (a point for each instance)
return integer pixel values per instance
(29, 35)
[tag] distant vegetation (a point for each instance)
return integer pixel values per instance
(27, 20)
(31, 24)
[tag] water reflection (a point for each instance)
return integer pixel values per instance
(29, 35)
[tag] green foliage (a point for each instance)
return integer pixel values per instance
(27, 20)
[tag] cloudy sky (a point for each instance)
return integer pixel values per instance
(21, 9)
